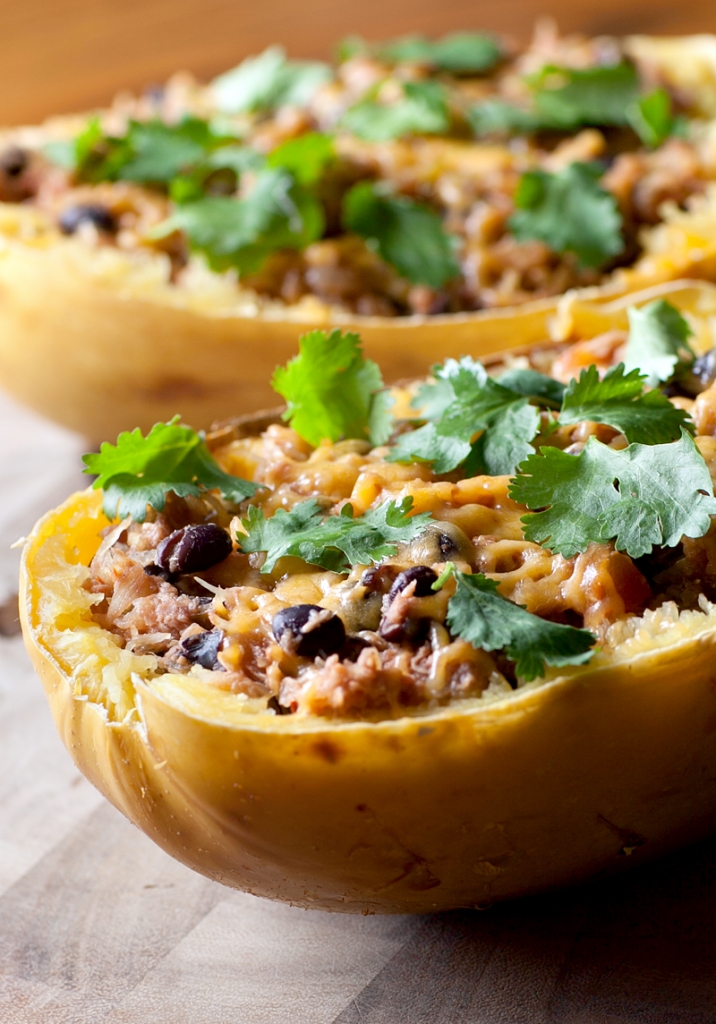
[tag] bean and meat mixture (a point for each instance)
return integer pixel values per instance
(375, 639)
(411, 178)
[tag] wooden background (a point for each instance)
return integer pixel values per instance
(98, 926)
(64, 55)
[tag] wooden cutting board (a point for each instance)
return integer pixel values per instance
(98, 926)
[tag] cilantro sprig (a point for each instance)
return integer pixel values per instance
(464, 401)
(268, 81)
(334, 542)
(564, 99)
(460, 53)
(570, 212)
(139, 471)
(332, 391)
(479, 614)
(619, 400)
(422, 110)
(278, 213)
(405, 233)
(150, 152)
(658, 342)
(640, 497)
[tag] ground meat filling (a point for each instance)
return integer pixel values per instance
(373, 641)
(471, 183)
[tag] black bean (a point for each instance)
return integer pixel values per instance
(155, 570)
(701, 375)
(194, 548)
(87, 213)
(352, 648)
(423, 577)
(295, 630)
(448, 547)
(13, 161)
(203, 648)
(280, 709)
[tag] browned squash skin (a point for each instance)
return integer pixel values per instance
(581, 776)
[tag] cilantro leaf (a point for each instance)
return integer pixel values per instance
(500, 449)
(499, 116)
(268, 81)
(481, 616)
(462, 401)
(651, 117)
(334, 542)
(566, 98)
(140, 471)
(658, 341)
(618, 399)
(406, 234)
(305, 157)
(242, 233)
(546, 390)
(72, 153)
(423, 110)
(332, 391)
(570, 212)
(426, 444)
(160, 152)
(642, 496)
(149, 151)
(461, 53)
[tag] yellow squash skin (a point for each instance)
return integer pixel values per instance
(101, 348)
(583, 775)
(102, 353)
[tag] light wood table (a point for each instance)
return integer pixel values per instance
(99, 926)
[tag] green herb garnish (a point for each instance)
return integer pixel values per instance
(463, 401)
(150, 152)
(652, 119)
(336, 542)
(268, 81)
(487, 425)
(658, 344)
(641, 497)
(277, 214)
(565, 99)
(619, 400)
(333, 392)
(140, 471)
(422, 110)
(570, 212)
(407, 234)
(461, 53)
(478, 614)
(305, 157)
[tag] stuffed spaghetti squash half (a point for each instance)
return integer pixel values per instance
(435, 195)
(408, 650)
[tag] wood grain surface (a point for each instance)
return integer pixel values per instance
(98, 926)
(63, 55)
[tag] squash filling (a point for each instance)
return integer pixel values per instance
(187, 587)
